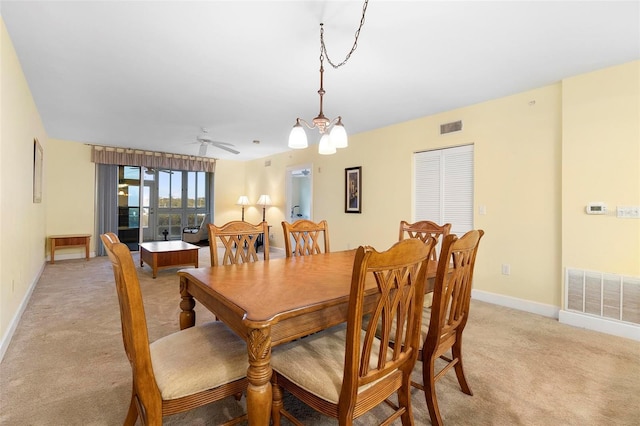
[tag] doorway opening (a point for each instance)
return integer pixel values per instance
(299, 192)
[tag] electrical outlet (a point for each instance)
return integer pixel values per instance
(506, 269)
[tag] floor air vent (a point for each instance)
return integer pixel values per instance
(609, 296)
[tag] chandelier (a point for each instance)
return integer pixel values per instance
(333, 133)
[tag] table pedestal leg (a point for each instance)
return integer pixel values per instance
(188, 315)
(259, 376)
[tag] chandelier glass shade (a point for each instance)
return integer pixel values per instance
(298, 137)
(326, 147)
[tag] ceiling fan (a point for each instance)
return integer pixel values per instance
(205, 140)
(151, 170)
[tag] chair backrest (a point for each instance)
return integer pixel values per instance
(135, 335)
(452, 291)
(306, 236)
(239, 240)
(399, 274)
(203, 224)
(423, 230)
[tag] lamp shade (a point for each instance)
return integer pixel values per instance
(339, 135)
(243, 200)
(264, 200)
(298, 137)
(326, 147)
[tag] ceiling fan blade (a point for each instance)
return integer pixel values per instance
(221, 145)
(203, 150)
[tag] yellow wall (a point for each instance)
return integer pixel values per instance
(536, 157)
(517, 177)
(229, 185)
(601, 162)
(71, 200)
(540, 156)
(22, 222)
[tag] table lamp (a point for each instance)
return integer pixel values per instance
(264, 201)
(243, 200)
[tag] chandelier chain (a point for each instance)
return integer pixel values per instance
(323, 47)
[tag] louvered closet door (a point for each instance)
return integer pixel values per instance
(443, 187)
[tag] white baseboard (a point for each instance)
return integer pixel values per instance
(603, 325)
(589, 322)
(274, 249)
(515, 303)
(13, 325)
(67, 256)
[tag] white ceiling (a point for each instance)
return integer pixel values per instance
(150, 74)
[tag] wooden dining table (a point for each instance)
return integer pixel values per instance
(268, 303)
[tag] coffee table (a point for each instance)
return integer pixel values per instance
(167, 254)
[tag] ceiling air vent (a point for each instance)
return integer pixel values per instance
(454, 126)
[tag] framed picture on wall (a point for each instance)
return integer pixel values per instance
(353, 190)
(37, 171)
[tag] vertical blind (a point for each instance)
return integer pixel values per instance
(443, 187)
(106, 202)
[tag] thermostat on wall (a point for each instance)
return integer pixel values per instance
(596, 208)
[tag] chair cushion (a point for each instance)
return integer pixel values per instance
(316, 362)
(426, 319)
(197, 359)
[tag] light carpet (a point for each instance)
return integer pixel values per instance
(66, 364)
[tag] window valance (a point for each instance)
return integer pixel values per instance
(151, 159)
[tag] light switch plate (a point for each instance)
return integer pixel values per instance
(628, 212)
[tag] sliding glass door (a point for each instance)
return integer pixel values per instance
(149, 203)
(181, 201)
(129, 206)
(169, 201)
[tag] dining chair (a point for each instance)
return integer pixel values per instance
(444, 323)
(423, 230)
(345, 371)
(303, 237)
(239, 240)
(178, 372)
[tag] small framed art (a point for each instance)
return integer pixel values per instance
(37, 171)
(353, 190)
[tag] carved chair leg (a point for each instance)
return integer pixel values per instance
(277, 403)
(404, 401)
(428, 378)
(132, 414)
(456, 351)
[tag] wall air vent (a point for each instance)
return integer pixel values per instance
(598, 294)
(454, 126)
